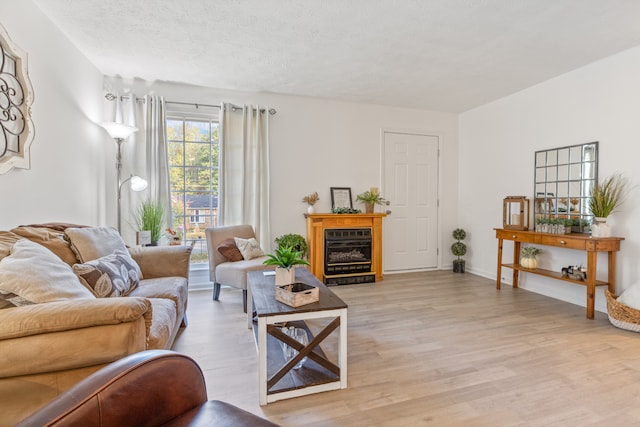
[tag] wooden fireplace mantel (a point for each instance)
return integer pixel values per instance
(317, 223)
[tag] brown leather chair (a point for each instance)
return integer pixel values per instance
(150, 388)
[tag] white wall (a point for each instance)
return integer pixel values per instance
(317, 144)
(599, 102)
(66, 181)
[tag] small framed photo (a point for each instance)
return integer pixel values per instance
(341, 197)
(143, 238)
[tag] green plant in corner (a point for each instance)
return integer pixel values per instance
(607, 195)
(285, 257)
(295, 241)
(150, 216)
(459, 249)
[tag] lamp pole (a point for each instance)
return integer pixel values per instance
(118, 174)
(119, 132)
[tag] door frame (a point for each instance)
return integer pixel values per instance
(422, 132)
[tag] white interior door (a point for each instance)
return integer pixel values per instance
(411, 185)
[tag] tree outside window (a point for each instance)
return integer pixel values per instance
(193, 145)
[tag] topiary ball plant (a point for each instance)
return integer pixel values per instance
(459, 249)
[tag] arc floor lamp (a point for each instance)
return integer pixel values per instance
(120, 133)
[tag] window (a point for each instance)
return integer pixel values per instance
(193, 147)
(196, 218)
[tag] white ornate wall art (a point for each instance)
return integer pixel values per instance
(16, 97)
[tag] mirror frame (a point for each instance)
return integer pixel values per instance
(563, 180)
(16, 92)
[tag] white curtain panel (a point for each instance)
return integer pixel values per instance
(244, 169)
(144, 154)
(157, 156)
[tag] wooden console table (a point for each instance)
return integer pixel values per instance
(592, 245)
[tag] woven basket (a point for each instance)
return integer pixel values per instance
(620, 315)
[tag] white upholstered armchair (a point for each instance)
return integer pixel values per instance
(222, 270)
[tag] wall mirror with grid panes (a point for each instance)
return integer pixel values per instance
(564, 178)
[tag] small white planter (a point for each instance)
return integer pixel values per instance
(600, 228)
(529, 262)
(285, 276)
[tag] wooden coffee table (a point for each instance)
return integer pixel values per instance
(277, 378)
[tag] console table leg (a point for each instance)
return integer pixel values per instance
(516, 260)
(612, 272)
(499, 274)
(592, 259)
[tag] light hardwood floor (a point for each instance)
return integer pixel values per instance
(438, 349)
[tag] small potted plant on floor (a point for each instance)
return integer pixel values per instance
(285, 258)
(459, 249)
(528, 257)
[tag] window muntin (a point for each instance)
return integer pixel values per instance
(193, 148)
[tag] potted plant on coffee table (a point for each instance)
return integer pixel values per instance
(285, 258)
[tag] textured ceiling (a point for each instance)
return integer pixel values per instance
(444, 55)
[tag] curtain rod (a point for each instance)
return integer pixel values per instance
(111, 97)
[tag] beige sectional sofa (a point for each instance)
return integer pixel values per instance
(74, 299)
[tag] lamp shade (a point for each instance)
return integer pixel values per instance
(119, 130)
(138, 184)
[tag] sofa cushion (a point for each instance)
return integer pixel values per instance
(94, 242)
(235, 273)
(229, 250)
(163, 321)
(32, 274)
(51, 239)
(112, 275)
(249, 248)
(173, 288)
(7, 240)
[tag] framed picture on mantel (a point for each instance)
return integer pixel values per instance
(341, 198)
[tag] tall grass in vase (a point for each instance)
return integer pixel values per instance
(150, 217)
(606, 196)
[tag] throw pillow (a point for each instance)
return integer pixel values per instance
(32, 274)
(7, 240)
(94, 242)
(113, 275)
(229, 250)
(49, 238)
(249, 248)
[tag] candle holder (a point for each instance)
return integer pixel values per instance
(515, 213)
